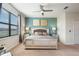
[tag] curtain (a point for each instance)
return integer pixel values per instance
(19, 29)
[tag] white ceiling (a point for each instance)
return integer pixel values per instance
(28, 8)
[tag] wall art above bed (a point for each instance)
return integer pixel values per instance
(44, 22)
(36, 22)
(40, 22)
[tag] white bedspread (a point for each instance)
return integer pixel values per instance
(40, 41)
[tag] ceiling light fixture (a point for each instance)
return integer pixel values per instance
(42, 12)
(66, 7)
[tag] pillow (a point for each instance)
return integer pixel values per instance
(36, 33)
(44, 33)
(40, 33)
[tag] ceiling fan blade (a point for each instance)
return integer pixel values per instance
(48, 10)
(41, 7)
(37, 11)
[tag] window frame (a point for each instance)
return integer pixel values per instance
(9, 24)
(13, 24)
(8, 31)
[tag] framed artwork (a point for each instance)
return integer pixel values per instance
(44, 22)
(36, 22)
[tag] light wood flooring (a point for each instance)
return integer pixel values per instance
(63, 50)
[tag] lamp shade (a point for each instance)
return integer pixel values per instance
(27, 28)
(53, 28)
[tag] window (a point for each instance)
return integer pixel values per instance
(14, 28)
(4, 30)
(4, 17)
(13, 19)
(8, 24)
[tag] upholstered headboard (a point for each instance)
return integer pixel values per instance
(40, 30)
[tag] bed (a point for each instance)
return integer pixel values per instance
(40, 39)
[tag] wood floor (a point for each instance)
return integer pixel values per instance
(63, 50)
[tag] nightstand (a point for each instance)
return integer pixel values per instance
(26, 35)
(55, 36)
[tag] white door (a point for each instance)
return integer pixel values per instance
(76, 33)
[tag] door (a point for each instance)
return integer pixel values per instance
(76, 33)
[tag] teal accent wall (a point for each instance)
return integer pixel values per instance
(52, 22)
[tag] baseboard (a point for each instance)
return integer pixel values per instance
(40, 49)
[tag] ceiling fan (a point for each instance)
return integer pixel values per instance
(42, 10)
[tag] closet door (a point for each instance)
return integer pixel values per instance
(76, 32)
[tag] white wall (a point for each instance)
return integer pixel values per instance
(61, 27)
(9, 8)
(65, 23)
(22, 25)
(71, 18)
(12, 41)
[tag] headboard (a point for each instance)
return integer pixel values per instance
(40, 30)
